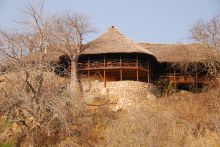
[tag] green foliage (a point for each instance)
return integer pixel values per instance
(66, 94)
(4, 123)
(169, 88)
(8, 144)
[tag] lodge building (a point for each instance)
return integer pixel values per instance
(114, 57)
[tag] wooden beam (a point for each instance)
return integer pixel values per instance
(104, 79)
(114, 68)
(121, 75)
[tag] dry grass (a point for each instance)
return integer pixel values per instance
(181, 119)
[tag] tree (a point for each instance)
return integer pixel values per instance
(68, 32)
(33, 97)
(207, 32)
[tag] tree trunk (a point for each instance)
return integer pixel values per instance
(74, 81)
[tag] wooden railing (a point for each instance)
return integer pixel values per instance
(113, 64)
(184, 78)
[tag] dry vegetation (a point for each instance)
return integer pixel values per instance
(35, 119)
(181, 119)
(36, 107)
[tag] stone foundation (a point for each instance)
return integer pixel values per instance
(118, 93)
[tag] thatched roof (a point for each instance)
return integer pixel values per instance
(113, 41)
(182, 52)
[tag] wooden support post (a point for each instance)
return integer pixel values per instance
(121, 78)
(121, 75)
(137, 68)
(104, 79)
(104, 73)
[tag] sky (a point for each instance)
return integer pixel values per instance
(150, 21)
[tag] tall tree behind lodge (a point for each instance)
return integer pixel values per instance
(69, 31)
(65, 32)
(207, 33)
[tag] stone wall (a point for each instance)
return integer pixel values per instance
(119, 93)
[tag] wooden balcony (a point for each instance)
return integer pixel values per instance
(180, 78)
(114, 64)
(117, 67)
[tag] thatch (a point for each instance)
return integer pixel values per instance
(182, 52)
(113, 41)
